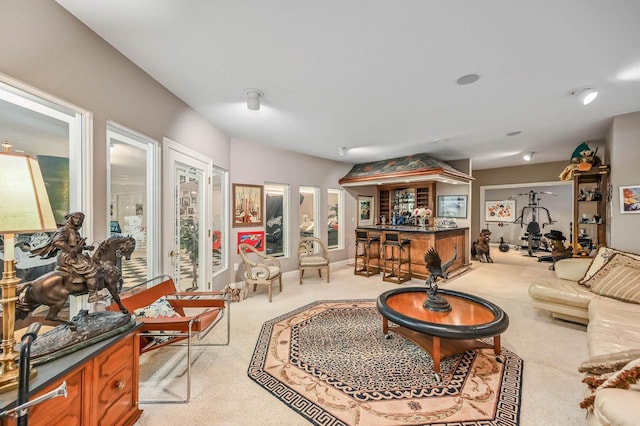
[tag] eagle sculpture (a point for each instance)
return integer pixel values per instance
(437, 269)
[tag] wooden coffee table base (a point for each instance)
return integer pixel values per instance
(439, 347)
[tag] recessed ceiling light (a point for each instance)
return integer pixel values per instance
(467, 79)
(585, 94)
(438, 141)
(516, 133)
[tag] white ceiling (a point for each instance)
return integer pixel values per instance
(379, 77)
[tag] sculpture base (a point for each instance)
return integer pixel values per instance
(436, 303)
(90, 328)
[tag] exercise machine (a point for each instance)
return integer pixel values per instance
(533, 234)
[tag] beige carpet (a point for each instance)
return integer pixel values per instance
(223, 394)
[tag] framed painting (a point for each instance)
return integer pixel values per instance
(247, 205)
(452, 206)
(630, 199)
(500, 211)
(253, 238)
(365, 210)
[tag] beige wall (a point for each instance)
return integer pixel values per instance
(44, 46)
(624, 153)
(543, 172)
(256, 164)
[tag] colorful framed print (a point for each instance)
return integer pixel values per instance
(630, 199)
(500, 211)
(365, 210)
(247, 205)
(253, 238)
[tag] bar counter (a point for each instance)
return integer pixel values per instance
(445, 240)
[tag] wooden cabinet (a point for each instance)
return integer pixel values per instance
(102, 388)
(590, 198)
(400, 199)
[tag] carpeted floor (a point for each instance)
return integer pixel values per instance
(329, 361)
(223, 394)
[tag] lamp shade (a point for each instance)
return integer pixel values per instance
(24, 205)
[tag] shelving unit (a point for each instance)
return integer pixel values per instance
(590, 197)
(401, 198)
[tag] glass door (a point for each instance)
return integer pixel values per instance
(189, 210)
(188, 237)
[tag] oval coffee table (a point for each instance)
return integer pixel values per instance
(442, 334)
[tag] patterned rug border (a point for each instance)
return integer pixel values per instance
(510, 388)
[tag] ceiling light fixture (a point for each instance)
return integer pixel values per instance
(528, 156)
(467, 79)
(253, 99)
(515, 133)
(342, 151)
(438, 141)
(585, 94)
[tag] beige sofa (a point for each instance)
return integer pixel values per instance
(611, 310)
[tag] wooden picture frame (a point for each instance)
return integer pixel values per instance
(452, 206)
(247, 205)
(254, 238)
(500, 211)
(366, 208)
(630, 199)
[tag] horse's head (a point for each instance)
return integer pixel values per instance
(113, 248)
(127, 246)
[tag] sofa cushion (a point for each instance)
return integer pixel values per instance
(614, 406)
(614, 326)
(601, 258)
(563, 292)
(608, 363)
(572, 269)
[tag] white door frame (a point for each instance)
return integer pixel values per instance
(174, 153)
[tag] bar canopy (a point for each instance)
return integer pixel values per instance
(413, 168)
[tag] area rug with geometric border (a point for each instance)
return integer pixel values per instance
(329, 361)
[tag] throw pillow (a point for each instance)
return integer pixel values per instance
(601, 258)
(608, 363)
(615, 260)
(627, 378)
(621, 283)
(161, 308)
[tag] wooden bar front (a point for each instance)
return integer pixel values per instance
(445, 240)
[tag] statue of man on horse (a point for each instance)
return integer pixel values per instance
(76, 272)
(69, 245)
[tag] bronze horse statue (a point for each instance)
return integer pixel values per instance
(54, 288)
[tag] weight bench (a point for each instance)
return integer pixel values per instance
(159, 331)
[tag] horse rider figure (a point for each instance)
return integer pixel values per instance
(69, 245)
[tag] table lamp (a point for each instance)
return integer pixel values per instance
(24, 209)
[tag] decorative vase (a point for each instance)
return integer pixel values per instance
(423, 223)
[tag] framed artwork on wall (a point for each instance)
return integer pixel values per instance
(247, 205)
(365, 210)
(500, 211)
(253, 238)
(452, 206)
(630, 199)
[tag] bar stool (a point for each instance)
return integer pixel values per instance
(367, 249)
(393, 250)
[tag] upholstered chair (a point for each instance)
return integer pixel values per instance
(312, 254)
(259, 269)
